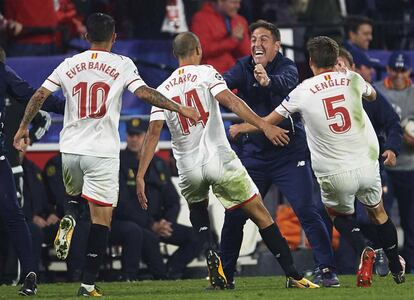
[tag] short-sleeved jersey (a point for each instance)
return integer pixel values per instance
(93, 83)
(339, 133)
(194, 144)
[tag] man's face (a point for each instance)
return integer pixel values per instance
(342, 61)
(135, 141)
(264, 47)
(365, 72)
(229, 7)
(362, 37)
(399, 77)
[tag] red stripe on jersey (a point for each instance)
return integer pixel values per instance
(95, 201)
(243, 203)
(131, 82)
(215, 85)
(285, 108)
(155, 111)
(53, 82)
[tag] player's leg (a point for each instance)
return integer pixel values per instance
(73, 181)
(296, 182)
(236, 189)
(234, 220)
(195, 190)
(19, 233)
(370, 195)
(100, 189)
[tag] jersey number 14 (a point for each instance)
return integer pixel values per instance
(191, 99)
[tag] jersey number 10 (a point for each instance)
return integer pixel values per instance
(191, 99)
(92, 102)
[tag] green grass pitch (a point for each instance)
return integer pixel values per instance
(249, 288)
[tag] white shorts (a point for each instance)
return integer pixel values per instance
(339, 190)
(226, 175)
(96, 178)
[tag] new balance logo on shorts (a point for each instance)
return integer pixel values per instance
(301, 163)
(203, 229)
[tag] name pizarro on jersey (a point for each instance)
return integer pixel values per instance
(99, 66)
(180, 80)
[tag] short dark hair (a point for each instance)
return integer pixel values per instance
(100, 27)
(353, 22)
(184, 43)
(266, 25)
(323, 51)
(346, 54)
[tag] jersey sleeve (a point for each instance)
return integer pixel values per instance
(157, 114)
(215, 82)
(53, 83)
(290, 104)
(133, 80)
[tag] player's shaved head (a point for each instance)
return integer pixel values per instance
(100, 27)
(184, 44)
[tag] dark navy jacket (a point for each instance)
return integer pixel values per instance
(11, 84)
(386, 123)
(284, 77)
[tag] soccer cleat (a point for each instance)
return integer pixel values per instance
(64, 236)
(300, 284)
(215, 270)
(381, 263)
(364, 274)
(97, 292)
(326, 278)
(29, 287)
(400, 276)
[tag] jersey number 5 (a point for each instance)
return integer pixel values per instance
(92, 103)
(191, 99)
(332, 112)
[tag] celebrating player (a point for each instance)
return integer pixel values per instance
(204, 156)
(344, 151)
(93, 82)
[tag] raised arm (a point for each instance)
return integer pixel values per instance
(155, 98)
(276, 135)
(32, 108)
(147, 153)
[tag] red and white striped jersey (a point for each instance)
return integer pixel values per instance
(339, 133)
(92, 83)
(194, 144)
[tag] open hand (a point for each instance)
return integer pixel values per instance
(278, 136)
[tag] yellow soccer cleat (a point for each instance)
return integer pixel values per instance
(64, 236)
(300, 284)
(97, 292)
(215, 271)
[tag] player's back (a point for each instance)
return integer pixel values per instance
(92, 83)
(340, 134)
(195, 144)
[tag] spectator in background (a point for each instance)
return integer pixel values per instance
(398, 88)
(159, 222)
(359, 33)
(39, 24)
(223, 33)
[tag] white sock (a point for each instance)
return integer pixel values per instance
(88, 287)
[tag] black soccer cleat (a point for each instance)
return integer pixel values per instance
(29, 287)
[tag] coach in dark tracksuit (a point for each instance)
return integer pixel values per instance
(288, 167)
(159, 222)
(10, 212)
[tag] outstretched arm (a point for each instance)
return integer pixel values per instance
(147, 153)
(276, 135)
(155, 98)
(32, 108)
